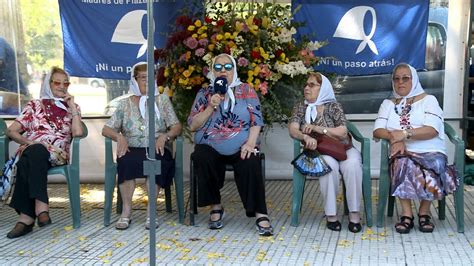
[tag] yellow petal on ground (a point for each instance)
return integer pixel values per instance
(140, 260)
(163, 246)
(68, 228)
(106, 261)
(344, 243)
(261, 256)
(82, 238)
(21, 252)
(119, 244)
(214, 255)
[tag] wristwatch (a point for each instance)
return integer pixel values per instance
(325, 131)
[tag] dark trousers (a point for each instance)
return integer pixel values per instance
(31, 180)
(210, 166)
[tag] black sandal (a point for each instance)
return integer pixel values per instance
(20, 229)
(213, 225)
(354, 227)
(403, 227)
(334, 226)
(262, 230)
(426, 226)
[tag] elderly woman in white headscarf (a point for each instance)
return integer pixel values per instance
(128, 127)
(321, 114)
(44, 131)
(412, 121)
(227, 120)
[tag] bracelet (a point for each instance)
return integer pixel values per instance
(168, 138)
(74, 114)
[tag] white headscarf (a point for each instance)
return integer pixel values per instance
(326, 95)
(46, 93)
(135, 90)
(416, 88)
(235, 82)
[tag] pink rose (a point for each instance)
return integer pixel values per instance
(263, 87)
(191, 42)
(242, 61)
(200, 52)
(203, 42)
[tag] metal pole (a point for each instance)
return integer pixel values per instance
(150, 166)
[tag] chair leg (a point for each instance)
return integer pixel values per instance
(179, 187)
(459, 206)
(119, 201)
(391, 205)
(298, 191)
(367, 195)
(192, 192)
(109, 185)
(262, 162)
(74, 198)
(168, 199)
(442, 208)
(384, 188)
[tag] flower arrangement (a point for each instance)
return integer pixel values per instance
(258, 36)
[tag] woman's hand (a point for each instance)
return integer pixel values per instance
(310, 143)
(160, 144)
(308, 128)
(70, 101)
(246, 150)
(397, 136)
(215, 100)
(397, 148)
(122, 146)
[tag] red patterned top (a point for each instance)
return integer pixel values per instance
(40, 123)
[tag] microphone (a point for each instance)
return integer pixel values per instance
(220, 85)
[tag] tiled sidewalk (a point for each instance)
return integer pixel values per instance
(237, 243)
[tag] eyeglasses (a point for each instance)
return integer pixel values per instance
(403, 79)
(311, 84)
(227, 67)
(64, 83)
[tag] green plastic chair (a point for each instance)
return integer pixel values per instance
(384, 183)
(70, 171)
(3, 142)
(299, 180)
(110, 183)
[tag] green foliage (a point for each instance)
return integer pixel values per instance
(43, 40)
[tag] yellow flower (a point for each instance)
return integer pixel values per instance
(211, 47)
(253, 29)
(194, 35)
(239, 26)
(256, 70)
(219, 37)
(203, 36)
(161, 89)
(283, 56)
(250, 73)
(198, 23)
(187, 73)
(191, 28)
(183, 81)
(227, 35)
(266, 22)
(167, 72)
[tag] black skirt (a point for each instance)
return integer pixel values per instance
(130, 166)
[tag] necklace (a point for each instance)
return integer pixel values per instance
(405, 113)
(406, 108)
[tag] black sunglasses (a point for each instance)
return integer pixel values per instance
(219, 67)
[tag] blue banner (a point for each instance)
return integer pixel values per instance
(365, 36)
(104, 38)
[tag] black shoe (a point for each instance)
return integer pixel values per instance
(354, 227)
(426, 226)
(216, 224)
(43, 219)
(334, 226)
(20, 229)
(264, 231)
(404, 227)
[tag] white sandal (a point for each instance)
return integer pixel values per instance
(147, 223)
(123, 223)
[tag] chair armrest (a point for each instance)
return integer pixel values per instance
(109, 153)
(4, 140)
(458, 149)
(74, 158)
